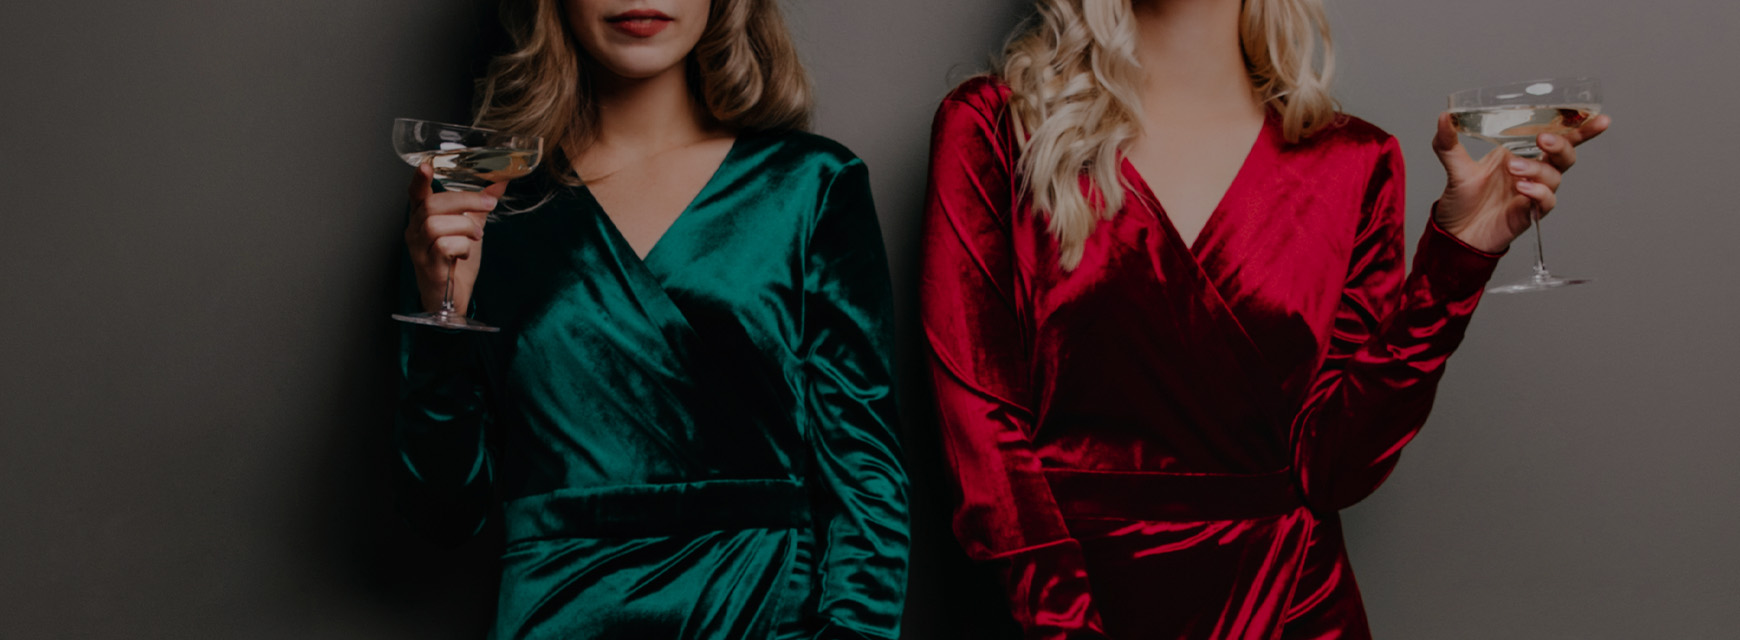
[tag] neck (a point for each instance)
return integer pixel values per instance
(1192, 60)
(647, 114)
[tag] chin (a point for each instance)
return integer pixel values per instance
(639, 65)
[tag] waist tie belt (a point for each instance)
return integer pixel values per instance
(655, 510)
(1172, 497)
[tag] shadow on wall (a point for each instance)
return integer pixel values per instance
(390, 571)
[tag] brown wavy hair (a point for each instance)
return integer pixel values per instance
(744, 71)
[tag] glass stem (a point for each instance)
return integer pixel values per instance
(447, 298)
(1533, 152)
(1540, 253)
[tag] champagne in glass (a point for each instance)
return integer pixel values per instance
(1516, 128)
(473, 168)
(1512, 116)
(464, 159)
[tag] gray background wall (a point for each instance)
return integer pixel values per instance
(202, 218)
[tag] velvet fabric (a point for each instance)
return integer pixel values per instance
(1155, 444)
(700, 444)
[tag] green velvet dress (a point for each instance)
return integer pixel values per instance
(700, 444)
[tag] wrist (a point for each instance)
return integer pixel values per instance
(1484, 237)
(1433, 227)
(1450, 269)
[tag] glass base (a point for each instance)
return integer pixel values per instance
(1538, 282)
(445, 320)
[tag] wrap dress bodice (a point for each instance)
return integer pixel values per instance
(697, 444)
(1154, 443)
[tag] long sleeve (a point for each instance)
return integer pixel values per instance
(1392, 338)
(848, 348)
(442, 471)
(1006, 515)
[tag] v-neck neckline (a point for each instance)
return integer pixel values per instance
(1198, 244)
(706, 190)
(1250, 355)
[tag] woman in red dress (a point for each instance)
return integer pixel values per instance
(1154, 412)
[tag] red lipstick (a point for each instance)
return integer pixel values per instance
(639, 23)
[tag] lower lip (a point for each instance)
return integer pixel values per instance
(641, 27)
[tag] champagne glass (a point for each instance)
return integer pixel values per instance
(465, 159)
(1511, 116)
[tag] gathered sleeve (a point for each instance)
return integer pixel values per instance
(979, 348)
(442, 471)
(848, 351)
(1392, 338)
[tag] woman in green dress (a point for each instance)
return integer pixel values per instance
(686, 423)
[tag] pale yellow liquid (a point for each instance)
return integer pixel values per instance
(473, 168)
(1515, 128)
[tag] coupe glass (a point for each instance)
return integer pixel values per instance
(1511, 116)
(465, 159)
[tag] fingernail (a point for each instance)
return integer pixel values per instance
(1518, 166)
(1549, 139)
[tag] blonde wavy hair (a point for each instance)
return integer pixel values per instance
(1075, 103)
(744, 71)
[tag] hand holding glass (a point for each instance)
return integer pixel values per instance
(1513, 116)
(464, 159)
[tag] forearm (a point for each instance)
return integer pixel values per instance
(442, 468)
(1373, 402)
(1006, 518)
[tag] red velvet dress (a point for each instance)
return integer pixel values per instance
(1155, 444)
